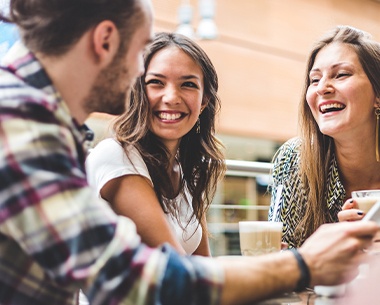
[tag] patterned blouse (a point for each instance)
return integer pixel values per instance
(288, 198)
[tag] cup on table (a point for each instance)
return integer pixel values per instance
(366, 198)
(259, 237)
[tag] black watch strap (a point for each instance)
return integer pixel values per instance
(304, 280)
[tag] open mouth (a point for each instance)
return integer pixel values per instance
(326, 108)
(167, 116)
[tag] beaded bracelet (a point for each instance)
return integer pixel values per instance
(304, 280)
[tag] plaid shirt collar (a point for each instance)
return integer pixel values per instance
(22, 63)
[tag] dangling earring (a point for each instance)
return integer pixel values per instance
(377, 113)
(198, 128)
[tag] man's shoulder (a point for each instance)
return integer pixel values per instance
(23, 80)
(17, 96)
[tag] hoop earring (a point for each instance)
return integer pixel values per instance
(198, 127)
(377, 113)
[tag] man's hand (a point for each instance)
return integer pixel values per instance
(334, 252)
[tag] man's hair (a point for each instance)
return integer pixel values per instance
(53, 26)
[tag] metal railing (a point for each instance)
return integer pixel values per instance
(247, 168)
(250, 169)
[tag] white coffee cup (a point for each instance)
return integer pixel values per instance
(366, 198)
(259, 237)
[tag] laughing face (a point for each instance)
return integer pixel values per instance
(174, 86)
(340, 94)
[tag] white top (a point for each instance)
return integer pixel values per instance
(108, 161)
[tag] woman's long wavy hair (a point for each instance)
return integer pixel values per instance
(199, 154)
(317, 149)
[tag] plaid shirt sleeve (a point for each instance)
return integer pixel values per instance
(56, 236)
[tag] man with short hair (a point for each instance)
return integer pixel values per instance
(56, 236)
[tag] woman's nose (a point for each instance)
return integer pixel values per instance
(325, 86)
(171, 96)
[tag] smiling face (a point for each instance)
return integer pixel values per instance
(340, 94)
(174, 87)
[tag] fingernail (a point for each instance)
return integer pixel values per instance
(360, 213)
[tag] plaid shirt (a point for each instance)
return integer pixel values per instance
(289, 200)
(55, 235)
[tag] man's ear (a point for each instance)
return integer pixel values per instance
(106, 41)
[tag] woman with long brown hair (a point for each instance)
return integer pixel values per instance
(162, 167)
(338, 150)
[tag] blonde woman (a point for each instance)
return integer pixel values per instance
(338, 151)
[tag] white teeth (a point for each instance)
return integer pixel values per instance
(326, 107)
(169, 116)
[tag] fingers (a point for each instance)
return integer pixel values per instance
(284, 246)
(358, 246)
(359, 229)
(349, 204)
(335, 250)
(350, 215)
(362, 228)
(350, 211)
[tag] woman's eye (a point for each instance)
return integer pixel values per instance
(190, 84)
(314, 80)
(342, 75)
(153, 81)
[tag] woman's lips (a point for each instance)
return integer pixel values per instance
(329, 107)
(169, 116)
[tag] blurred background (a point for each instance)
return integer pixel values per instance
(259, 50)
(8, 32)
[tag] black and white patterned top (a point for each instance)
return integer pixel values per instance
(288, 200)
